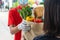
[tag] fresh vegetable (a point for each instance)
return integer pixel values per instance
(29, 18)
(37, 20)
(25, 12)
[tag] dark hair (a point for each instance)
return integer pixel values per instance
(52, 17)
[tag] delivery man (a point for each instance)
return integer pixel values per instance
(15, 21)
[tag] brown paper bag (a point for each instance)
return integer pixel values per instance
(38, 12)
(36, 29)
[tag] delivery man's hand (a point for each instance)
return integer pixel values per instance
(23, 26)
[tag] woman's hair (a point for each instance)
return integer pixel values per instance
(52, 17)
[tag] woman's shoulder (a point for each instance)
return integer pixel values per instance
(40, 37)
(44, 37)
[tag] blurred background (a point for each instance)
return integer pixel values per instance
(5, 5)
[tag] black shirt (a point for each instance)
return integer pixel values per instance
(46, 37)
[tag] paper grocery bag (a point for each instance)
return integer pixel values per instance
(36, 29)
(38, 12)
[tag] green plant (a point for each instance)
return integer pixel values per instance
(26, 11)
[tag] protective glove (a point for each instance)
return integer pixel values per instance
(23, 26)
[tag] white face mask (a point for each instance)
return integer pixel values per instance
(23, 2)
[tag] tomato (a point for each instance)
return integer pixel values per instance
(37, 20)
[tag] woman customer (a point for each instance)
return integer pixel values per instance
(51, 21)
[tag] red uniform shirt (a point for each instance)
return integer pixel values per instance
(14, 19)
